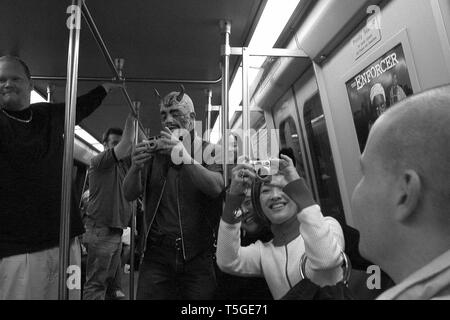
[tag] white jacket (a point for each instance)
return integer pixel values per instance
(321, 238)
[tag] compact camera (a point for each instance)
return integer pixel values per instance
(264, 168)
(153, 143)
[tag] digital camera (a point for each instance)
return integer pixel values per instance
(153, 143)
(264, 168)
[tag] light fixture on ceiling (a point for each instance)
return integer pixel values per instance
(274, 18)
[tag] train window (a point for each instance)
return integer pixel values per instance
(88, 138)
(290, 139)
(322, 158)
(36, 97)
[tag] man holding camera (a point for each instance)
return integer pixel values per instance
(182, 207)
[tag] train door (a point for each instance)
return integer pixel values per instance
(322, 158)
(311, 120)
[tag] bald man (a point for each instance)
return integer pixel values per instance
(401, 206)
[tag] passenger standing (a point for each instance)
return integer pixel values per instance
(401, 205)
(182, 207)
(31, 157)
(108, 214)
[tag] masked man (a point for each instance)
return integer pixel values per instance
(182, 200)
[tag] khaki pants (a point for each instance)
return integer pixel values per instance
(34, 276)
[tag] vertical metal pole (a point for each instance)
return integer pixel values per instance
(220, 120)
(226, 31)
(137, 106)
(245, 104)
(208, 114)
(69, 134)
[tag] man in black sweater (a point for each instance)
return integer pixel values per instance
(31, 154)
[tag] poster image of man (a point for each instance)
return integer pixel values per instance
(396, 94)
(376, 88)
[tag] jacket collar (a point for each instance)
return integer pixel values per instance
(430, 282)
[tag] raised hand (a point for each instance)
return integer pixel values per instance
(172, 145)
(140, 156)
(287, 169)
(242, 179)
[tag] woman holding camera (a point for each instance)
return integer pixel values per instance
(285, 203)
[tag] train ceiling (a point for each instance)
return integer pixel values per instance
(159, 39)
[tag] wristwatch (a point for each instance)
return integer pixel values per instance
(237, 214)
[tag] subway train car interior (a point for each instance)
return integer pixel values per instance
(224, 150)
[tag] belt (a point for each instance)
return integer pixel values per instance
(118, 231)
(166, 241)
(105, 230)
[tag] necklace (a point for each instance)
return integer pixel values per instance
(17, 119)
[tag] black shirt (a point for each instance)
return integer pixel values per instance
(31, 156)
(167, 219)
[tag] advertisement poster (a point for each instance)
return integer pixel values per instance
(376, 88)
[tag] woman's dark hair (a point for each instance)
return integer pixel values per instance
(110, 131)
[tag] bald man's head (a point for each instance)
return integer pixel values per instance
(405, 185)
(415, 135)
(15, 84)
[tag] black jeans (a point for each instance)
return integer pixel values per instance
(164, 275)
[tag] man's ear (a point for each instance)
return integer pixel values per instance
(408, 193)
